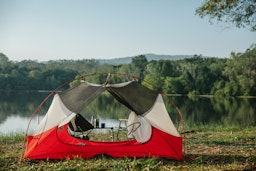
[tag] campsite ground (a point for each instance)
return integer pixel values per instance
(207, 148)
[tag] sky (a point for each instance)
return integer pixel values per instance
(45, 30)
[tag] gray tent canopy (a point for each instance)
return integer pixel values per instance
(132, 94)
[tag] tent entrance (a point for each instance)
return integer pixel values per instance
(80, 128)
(79, 124)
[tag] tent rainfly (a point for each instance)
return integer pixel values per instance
(153, 132)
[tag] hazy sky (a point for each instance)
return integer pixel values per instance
(75, 29)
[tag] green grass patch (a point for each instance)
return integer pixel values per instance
(212, 148)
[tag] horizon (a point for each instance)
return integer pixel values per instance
(117, 58)
(64, 30)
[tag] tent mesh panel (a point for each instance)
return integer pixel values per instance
(134, 96)
(76, 98)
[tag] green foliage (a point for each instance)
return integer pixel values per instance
(235, 76)
(241, 73)
(239, 12)
(138, 65)
(174, 85)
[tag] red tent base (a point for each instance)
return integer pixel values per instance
(56, 143)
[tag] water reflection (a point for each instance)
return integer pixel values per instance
(18, 124)
(19, 103)
(17, 107)
(217, 110)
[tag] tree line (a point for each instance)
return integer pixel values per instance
(234, 76)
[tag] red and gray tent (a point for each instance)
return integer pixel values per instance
(155, 134)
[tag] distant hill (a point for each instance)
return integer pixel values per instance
(149, 56)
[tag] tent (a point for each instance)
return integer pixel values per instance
(149, 125)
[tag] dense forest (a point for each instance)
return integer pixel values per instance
(233, 76)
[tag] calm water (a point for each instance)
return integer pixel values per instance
(17, 107)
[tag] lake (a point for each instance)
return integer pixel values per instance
(17, 107)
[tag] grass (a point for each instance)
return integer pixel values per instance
(214, 148)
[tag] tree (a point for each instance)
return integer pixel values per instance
(139, 64)
(241, 69)
(3, 58)
(242, 13)
(4, 62)
(175, 85)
